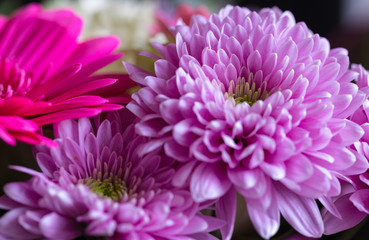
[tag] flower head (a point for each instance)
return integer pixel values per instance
(95, 184)
(255, 102)
(45, 73)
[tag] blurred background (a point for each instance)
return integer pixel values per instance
(345, 23)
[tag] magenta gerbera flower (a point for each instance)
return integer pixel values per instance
(95, 184)
(45, 73)
(253, 102)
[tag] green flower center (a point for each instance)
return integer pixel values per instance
(111, 187)
(246, 92)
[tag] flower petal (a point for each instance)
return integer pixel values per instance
(225, 208)
(302, 213)
(209, 181)
(58, 227)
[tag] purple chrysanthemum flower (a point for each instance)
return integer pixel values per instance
(95, 184)
(255, 102)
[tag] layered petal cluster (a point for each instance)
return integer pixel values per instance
(95, 184)
(353, 203)
(45, 73)
(257, 103)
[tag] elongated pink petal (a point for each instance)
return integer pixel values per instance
(302, 213)
(93, 49)
(54, 225)
(60, 78)
(83, 89)
(266, 223)
(225, 208)
(67, 114)
(7, 137)
(21, 192)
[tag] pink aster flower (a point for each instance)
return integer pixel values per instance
(95, 184)
(45, 73)
(257, 103)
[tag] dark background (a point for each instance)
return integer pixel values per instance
(320, 16)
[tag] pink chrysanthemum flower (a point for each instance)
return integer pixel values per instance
(353, 203)
(95, 184)
(45, 73)
(253, 102)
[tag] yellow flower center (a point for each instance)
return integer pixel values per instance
(245, 91)
(111, 187)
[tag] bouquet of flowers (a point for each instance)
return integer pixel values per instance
(235, 107)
